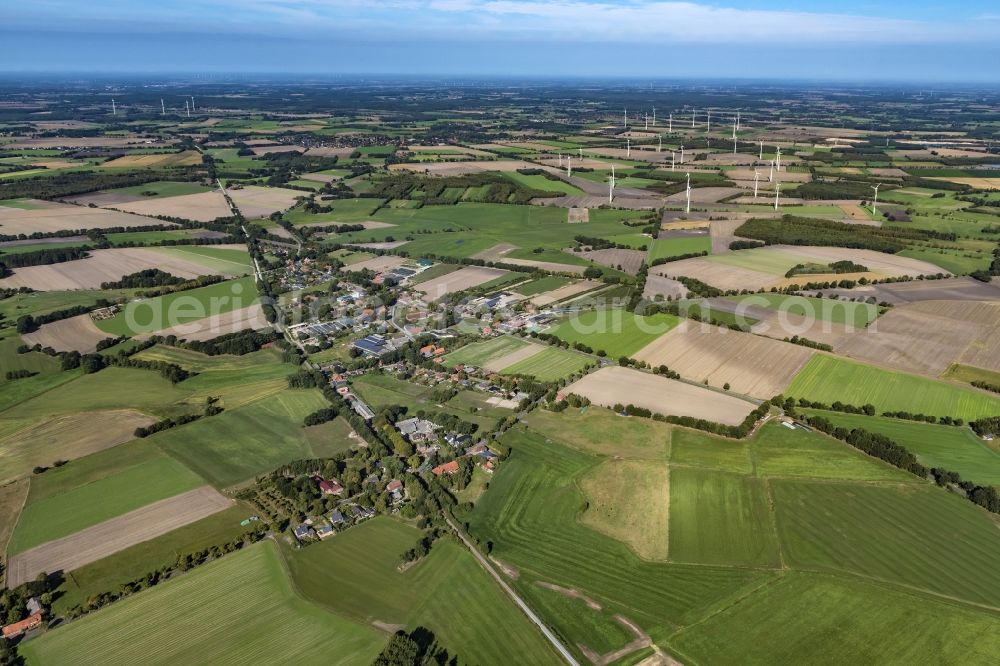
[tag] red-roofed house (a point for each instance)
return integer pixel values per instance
(27, 624)
(447, 468)
(328, 487)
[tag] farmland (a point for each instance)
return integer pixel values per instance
(828, 379)
(248, 593)
(549, 365)
(614, 331)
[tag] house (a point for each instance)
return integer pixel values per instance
(328, 487)
(19, 628)
(416, 430)
(458, 440)
(33, 606)
(324, 532)
(362, 512)
(337, 518)
(488, 466)
(303, 532)
(447, 468)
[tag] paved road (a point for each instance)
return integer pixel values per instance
(556, 643)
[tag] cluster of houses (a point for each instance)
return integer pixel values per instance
(424, 435)
(345, 515)
(302, 273)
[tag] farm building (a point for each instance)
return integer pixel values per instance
(447, 468)
(416, 430)
(330, 487)
(373, 345)
(19, 628)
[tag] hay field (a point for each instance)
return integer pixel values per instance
(750, 364)
(978, 183)
(155, 161)
(565, 292)
(65, 437)
(549, 364)
(614, 491)
(498, 363)
(86, 142)
(929, 336)
(99, 541)
(201, 207)
(234, 321)
(627, 261)
(59, 216)
(378, 264)
(460, 280)
(617, 385)
(255, 201)
(478, 354)
(76, 333)
(103, 266)
(238, 609)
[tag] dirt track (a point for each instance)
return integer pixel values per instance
(111, 536)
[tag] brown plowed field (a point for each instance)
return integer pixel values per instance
(74, 334)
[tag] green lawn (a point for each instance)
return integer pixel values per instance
(955, 449)
(356, 575)
(237, 609)
(64, 513)
(828, 379)
(617, 332)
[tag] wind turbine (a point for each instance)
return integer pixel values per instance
(560, 159)
(687, 208)
(693, 113)
(875, 200)
(626, 117)
(114, 111)
(659, 143)
(682, 153)
(611, 185)
(761, 157)
(777, 160)
(654, 116)
(646, 127)
(187, 108)
(670, 128)
(708, 126)
(777, 192)
(580, 150)
(163, 109)
(569, 166)
(734, 136)
(770, 176)
(756, 177)
(737, 121)
(672, 160)
(628, 147)
(192, 103)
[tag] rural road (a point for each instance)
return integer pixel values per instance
(556, 643)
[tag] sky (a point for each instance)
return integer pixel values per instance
(848, 40)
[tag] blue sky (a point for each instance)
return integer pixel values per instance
(771, 39)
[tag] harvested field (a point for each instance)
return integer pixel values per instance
(567, 291)
(464, 278)
(700, 195)
(516, 356)
(546, 265)
(104, 199)
(74, 334)
(952, 289)
(715, 274)
(326, 151)
(251, 317)
(202, 207)
(66, 437)
(59, 216)
(255, 202)
(102, 266)
(462, 168)
(722, 233)
(928, 337)
(111, 536)
(752, 365)
(615, 385)
(267, 150)
(628, 261)
(85, 142)
(657, 285)
(378, 264)
(889, 265)
(155, 161)
(978, 183)
(578, 215)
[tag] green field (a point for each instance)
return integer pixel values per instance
(539, 182)
(602, 432)
(617, 332)
(834, 311)
(384, 390)
(356, 575)
(955, 449)
(242, 443)
(820, 619)
(479, 354)
(155, 314)
(541, 285)
(828, 379)
(50, 516)
(162, 188)
(237, 609)
(675, 247)
(215, 259)
(549, 365)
